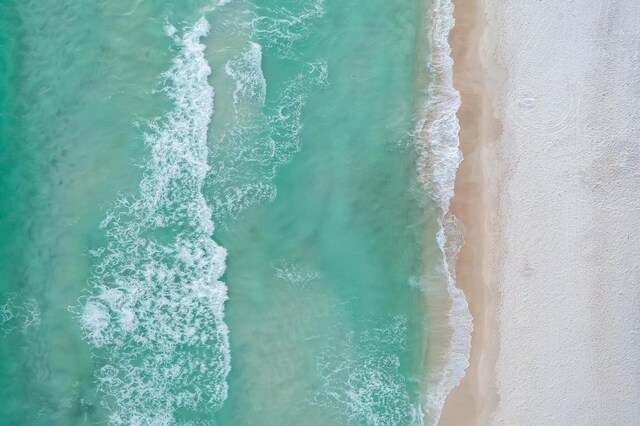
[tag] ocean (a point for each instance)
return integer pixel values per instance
(228, 212)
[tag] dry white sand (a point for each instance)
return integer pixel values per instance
(568, 160)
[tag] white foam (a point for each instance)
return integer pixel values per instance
(17, 314)
(294, 272)
(246, 71)
(265, 136)
(363, 380)
(265, 133)
(439, 158)
(155, 315)
(281, 28)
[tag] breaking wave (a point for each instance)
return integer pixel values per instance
(155, 314)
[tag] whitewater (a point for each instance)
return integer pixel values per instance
(156, 313)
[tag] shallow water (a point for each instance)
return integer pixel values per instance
(211, 213)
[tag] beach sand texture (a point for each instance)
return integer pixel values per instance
(474, 204)
(552, 212)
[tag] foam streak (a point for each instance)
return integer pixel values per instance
(155, 313)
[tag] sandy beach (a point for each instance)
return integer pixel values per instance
(548, 195)
(474, 205)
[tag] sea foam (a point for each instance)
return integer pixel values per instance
(17, 314)
(265, 131)
(282, 27)
(361, 377)
(155, 314)
(439, 158)
(247, 157)
(246, 72)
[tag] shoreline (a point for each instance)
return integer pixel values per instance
(439, 156)
(475, 201)
(475, 204)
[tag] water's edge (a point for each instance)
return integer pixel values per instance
(438, 159)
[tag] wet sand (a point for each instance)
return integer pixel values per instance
(475, 204)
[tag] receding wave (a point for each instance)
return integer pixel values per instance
(439, 158)
(155, 313)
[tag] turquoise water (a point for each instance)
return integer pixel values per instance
(211, 213)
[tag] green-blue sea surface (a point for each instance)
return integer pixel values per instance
(209, 212)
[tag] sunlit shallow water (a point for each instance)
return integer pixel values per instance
(211, 213)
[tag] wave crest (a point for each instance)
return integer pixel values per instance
(155, 315)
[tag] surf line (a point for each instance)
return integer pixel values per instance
(154, 315)
(438, 159)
